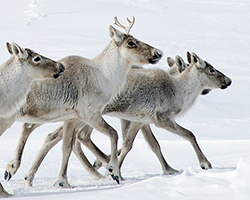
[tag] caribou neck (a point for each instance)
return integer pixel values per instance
(189, 86)
(113, 67)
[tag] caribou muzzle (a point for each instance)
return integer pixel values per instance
(157, 55)
(227, 83)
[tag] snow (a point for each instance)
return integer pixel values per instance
(218, 31)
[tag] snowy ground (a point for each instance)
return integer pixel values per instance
(218, 31)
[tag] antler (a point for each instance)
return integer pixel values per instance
(127, 29)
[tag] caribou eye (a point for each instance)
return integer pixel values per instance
(37, 59)
(212, 71)
(132, 44)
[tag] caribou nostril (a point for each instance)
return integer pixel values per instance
(229, 82)
(158, 54)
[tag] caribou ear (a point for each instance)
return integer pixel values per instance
(116, 35)
(170, 62)
(194, 58)
(189, 57)
(199, 62)
(9, 48)
(16, 50)
(179, 62)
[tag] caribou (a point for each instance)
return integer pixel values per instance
(87, 86)
(17, 74)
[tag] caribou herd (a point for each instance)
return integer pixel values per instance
(78, 91)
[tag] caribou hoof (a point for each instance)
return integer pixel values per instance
(171, 172)
(28, 181)
(115, 177)
(97, 164)
(62, 184)
(206, 166)
(11, 169)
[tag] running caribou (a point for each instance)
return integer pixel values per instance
(17, 74)
(87, 86)
(150, 96)
(166, 97)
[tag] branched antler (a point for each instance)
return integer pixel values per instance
(128, 28)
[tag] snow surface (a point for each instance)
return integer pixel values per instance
(217, 30)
